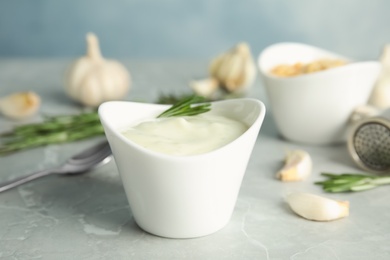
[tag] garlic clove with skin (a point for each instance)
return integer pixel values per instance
(380, 95)
(314, 207)
(298, 166)
(20, 105)
(362, 112)
(92, 80)
(205, 87)
(235, 70)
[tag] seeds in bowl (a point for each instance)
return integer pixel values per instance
(292, 70)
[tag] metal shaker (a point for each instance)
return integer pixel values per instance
(369, 140)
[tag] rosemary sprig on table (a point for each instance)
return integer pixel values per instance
(53, 130)
(351, 182)
(68, 128)
(189, 106)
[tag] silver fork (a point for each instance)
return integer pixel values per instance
(79, 163)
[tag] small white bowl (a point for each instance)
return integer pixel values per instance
(181, 196)
(315, 108)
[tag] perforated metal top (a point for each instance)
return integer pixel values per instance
(371, 142)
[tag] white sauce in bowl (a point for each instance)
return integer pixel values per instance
(186, 135)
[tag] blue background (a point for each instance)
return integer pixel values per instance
(178, 29)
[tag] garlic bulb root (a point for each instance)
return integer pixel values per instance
(235, 69)
(314, 207)
(92, 80)
(20, 105)
(298, 166)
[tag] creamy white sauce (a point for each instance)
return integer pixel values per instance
(186, 135)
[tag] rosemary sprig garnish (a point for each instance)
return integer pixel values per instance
(351, 182)
(189, 106)
(172, 98)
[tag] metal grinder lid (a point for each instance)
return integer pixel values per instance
(369, 144)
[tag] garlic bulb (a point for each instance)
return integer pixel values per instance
(20, 105)
(380, 96)
(298, 166)
(235, 70)
(93, 80)
(317, 208)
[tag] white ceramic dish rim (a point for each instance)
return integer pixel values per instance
(160, 108)
(350, 65)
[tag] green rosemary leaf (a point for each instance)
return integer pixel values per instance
(351, 182)
(189, 106)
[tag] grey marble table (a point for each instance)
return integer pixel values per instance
(88, 217)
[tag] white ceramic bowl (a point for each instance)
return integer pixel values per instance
(315, 108)
(181, 197)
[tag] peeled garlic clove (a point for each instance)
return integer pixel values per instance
(92, 80)
(298, 166)
(20, 105)
(235, 70)
(314, 207)
(205, 87)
